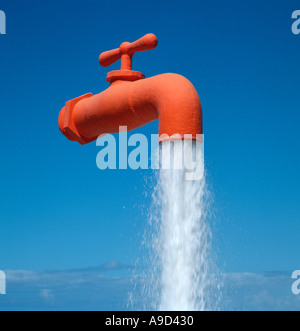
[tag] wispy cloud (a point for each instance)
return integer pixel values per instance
(47, 295)
(97, 289)
(263, 291)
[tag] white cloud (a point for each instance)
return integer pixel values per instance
(46, 295)
(264, 291)
(94, 289)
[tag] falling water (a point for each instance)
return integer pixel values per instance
(178, 236)
(183, 238)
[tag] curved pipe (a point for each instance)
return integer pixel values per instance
(170, 98)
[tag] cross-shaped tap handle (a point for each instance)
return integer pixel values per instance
(127, 50)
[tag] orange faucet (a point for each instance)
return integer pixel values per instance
(133, 101)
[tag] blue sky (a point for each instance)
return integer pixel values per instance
(60, 212)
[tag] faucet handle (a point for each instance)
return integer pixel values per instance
(109, 57)
(127, 50)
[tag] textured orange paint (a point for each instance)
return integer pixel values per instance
(133, 101)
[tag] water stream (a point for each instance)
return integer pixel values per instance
(178, 236)
(183, 239)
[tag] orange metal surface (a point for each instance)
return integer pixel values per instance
(133, 101)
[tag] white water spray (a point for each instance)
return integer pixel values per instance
(183, 238)
(179, 234)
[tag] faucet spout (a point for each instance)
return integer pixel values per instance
(170, 98)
